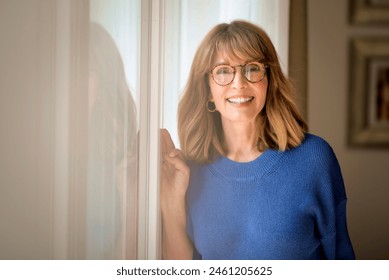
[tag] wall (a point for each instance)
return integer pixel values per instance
(26, 114)
(365, 171)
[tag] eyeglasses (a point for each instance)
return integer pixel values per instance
(253, 72)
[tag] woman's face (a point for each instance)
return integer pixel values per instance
(241, 100)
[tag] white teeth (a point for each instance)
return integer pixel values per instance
(240, 100)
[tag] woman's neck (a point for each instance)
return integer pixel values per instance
(241, 141)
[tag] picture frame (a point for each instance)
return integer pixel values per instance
(369, 12)
(369, 92)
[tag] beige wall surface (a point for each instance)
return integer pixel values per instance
(25, 130)
(365, 171)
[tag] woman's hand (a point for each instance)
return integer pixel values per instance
(174, 177)
(174, 184)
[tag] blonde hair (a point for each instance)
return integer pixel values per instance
(280, 125)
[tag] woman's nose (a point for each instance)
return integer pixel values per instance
(239, 81)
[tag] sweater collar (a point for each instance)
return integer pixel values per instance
(243, 171)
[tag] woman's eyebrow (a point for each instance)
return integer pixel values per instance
(221, 63)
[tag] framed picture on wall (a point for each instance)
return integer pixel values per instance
(369, 11)
(369, 92)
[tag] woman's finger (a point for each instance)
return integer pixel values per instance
(166, 142)
(177, 153)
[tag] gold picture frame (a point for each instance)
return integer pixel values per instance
(369, 92)
(369, 12)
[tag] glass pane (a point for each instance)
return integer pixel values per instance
(112, 129)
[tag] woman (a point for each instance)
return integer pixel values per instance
(250, 182)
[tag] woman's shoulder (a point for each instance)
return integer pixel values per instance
(316, 144)
(315, 149)
(319, 156)
(314, 139)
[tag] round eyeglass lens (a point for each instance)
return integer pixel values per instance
(254, 72)
(223, 74)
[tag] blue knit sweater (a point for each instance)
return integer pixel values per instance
(282, 205)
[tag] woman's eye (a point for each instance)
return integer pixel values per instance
(223, 71)
(253, 68)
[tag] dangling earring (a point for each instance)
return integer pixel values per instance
(213, 107)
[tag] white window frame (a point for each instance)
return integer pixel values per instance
(151, 80)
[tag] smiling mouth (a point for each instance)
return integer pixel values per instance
(240, 100)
